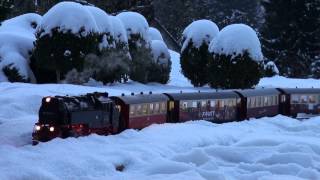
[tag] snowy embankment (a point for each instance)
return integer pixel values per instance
(268, 148)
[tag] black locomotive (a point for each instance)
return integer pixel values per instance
(64, 116)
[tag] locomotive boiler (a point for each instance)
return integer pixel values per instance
(65, 116)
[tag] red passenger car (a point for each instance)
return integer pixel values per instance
(259, 103)
(217, 107)
(295, 101)
(142, 110)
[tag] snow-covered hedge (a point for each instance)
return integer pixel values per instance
(154, 34)
(67, 33)
(16, 43)
(194, 53)
(235, 40)
(136, 26)
(199, 32)
(236, 58)
(161, 65)
(68, 17)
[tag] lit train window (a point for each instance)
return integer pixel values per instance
(138, 110)
(222, 103)
(203, 104)
(184, 105)
(144, 109)
(194, 104)
(132, 108)
(163, 107)
(312, 99)
(212, 103)
(156, 108)
(151, 108)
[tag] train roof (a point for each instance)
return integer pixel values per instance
(300, 90)
(203, 95)
(142, 98)
(258, 92)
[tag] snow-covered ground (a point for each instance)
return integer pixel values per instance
(269, 148)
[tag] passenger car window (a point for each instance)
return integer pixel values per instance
(213, 103)
(156, 108)
(132, 109)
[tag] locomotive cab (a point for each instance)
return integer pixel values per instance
(53, 120)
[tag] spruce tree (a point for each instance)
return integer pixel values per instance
(291, 35)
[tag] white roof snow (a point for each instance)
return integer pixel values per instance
(201, 31)
(235, 39)
(135, 23)
(68, 16)
(154, 34)
(159, 49)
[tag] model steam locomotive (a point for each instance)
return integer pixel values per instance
(64, 116)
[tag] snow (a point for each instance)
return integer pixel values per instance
(154, 34)
(118, 30)
(199, 32)
(68, 16)
(23, 25)
(235, 39)
(135, 23)
(160, 52)
(272, 65)
(16, 41)
(259, 149)
(101, 18)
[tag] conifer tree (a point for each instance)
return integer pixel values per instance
(5, 8)
(291, 35)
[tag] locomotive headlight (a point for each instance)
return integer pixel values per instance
(51, 129)
(48, 99)
(37, 128)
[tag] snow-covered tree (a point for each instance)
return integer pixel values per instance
(67, 33)
(237, 55)
(194, 53)
(161, 65)
(154, 34)
(139, 45)
(291, 35)
(315, 67)
(270, 69)
(16, 43)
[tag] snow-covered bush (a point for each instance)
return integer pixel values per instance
(270, 69)
(66, 34)
(154, 34)
(315, 68)
(139, 45)
(236, 57)
(194, 54)
(16, 43)
(161, 65)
